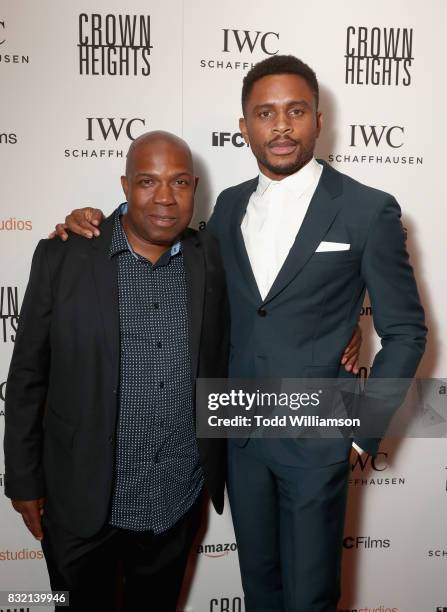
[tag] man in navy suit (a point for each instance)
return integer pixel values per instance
(301, 243)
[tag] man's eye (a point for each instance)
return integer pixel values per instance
(265, 114)
(182, 182)
(297, 112)
(146, 182)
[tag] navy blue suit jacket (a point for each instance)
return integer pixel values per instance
(303, 325)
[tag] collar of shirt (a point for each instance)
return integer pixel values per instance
(119, 239)
(275, 212)
(295, 184)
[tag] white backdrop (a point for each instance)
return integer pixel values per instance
(65, 125)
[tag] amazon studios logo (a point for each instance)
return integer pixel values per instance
(114, 45)
(378, 56)
(108, 130)
(216, 550)
(376, 144)
(9, 58)
(240, 45)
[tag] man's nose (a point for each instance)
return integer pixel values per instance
(164, 195)
(282, 123)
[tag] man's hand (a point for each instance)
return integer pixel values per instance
(350, 357)
(83, 221)
(31, 512)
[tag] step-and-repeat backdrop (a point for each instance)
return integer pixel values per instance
(80, 80)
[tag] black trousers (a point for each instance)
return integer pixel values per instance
(288, 522)
(141, 570)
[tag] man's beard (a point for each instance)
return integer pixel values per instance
(304, 155)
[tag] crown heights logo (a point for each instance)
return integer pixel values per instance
(226, 604)
(114, 45)
(9, 313)
(378, 56)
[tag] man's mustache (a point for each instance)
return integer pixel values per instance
(283, 140)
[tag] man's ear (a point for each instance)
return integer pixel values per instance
(319, 122)
(243, 129)
(125, 185)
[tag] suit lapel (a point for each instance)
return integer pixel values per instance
(105, 273)
(322, 210)
(194, 261)
(249, 285)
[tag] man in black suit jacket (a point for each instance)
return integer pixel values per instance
(94, 434)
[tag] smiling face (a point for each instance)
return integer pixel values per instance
(159, 187)
(281, 124)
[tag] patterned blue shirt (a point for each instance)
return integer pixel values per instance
(157, 472)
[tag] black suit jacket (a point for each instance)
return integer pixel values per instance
(62, 388)
(304, 323)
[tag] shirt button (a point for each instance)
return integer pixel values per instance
(262, 312)
(161, 384)
(156, 305)
(159, 344)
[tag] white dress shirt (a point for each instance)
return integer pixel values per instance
(273, 217)
(272, 220)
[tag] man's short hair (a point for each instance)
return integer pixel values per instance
(279, 64)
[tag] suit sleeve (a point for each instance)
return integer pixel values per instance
(397, 314)
(214, 222)
(27, 385)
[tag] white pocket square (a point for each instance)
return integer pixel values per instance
(332, 246)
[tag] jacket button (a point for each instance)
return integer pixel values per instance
(112, 439)
(262, 312)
